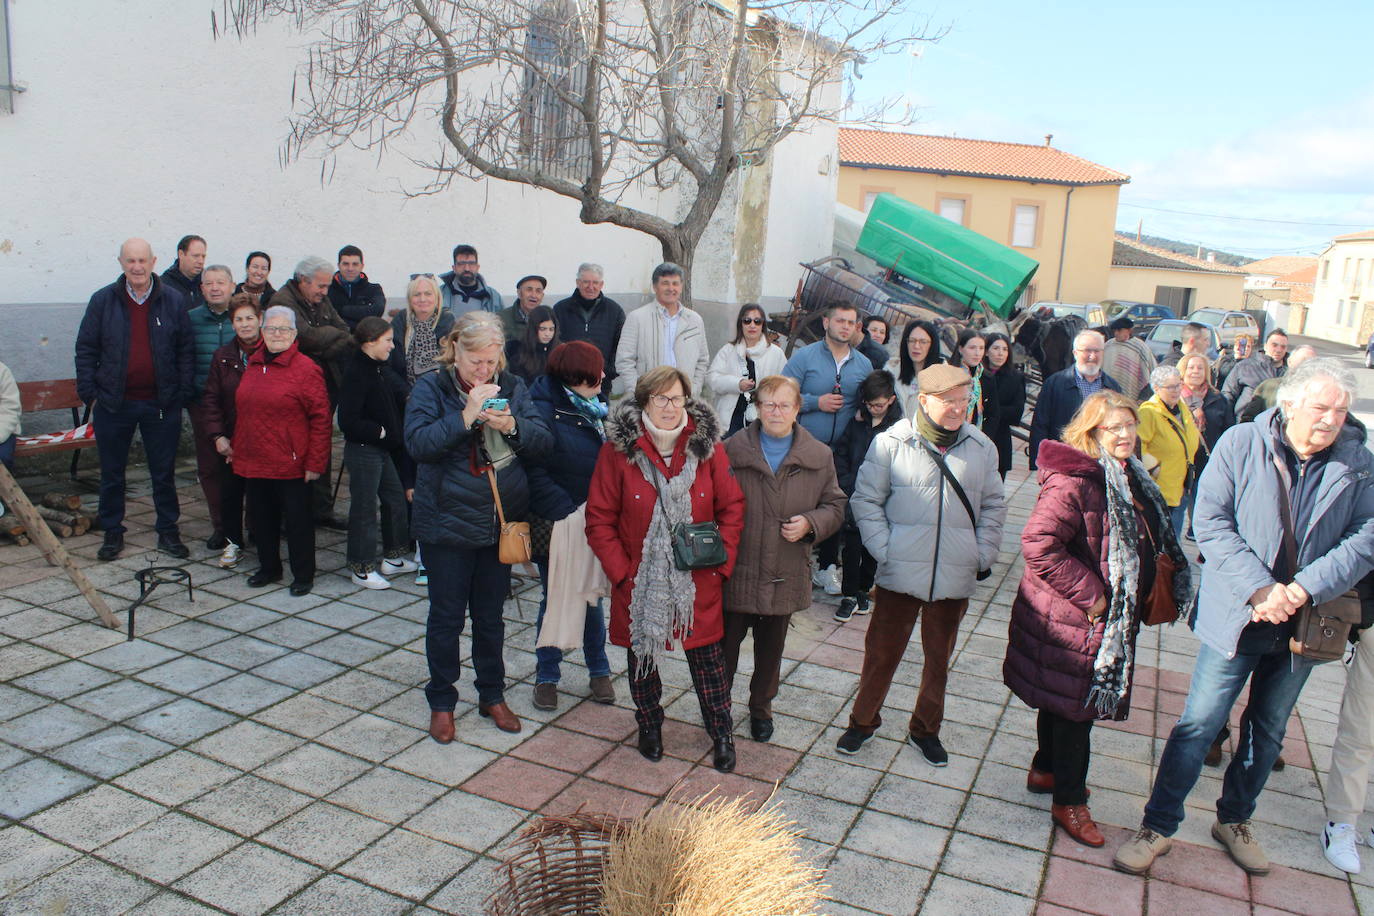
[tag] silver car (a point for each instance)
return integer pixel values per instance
(1228, 324)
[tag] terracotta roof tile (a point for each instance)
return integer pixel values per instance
(1307, 276)
(961, 156)
(1280, 265)
(1127, 252)
(1352, 237)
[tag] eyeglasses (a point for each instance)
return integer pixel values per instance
(662, 400)
(1087, 350)
(278, 329)
(880, 403)
(464, 263)
(952, 402)
(776, 406)
(1174, 387)
(1123, 429)
(751, 321)
(417, 276)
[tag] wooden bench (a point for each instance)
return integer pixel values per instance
(54, 394)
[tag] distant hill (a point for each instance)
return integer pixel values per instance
(1234, 260)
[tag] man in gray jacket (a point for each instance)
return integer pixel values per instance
(663, 333)
(1250, 372)
(929, 504)
(1301, 454)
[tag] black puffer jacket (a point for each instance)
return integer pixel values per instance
(599, 322)
(453, 505)
(356, 302)
(371, 403)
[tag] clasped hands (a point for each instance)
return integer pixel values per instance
(1276, 603)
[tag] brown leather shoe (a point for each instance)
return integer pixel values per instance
(1039, 782)
(441, 725)
(1078, 823)
(500, 714)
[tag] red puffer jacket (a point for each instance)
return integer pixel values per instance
(283, 425)
(1051, 644)
(620, 504)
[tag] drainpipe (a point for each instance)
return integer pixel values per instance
(1063, 243)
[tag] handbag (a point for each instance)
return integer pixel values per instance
(696, 545)
(1320, 631)
(513, 543)
(1159, 604)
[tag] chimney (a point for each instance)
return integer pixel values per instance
(1048, 138)
(1211, 257)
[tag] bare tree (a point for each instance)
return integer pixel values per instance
(609, 102)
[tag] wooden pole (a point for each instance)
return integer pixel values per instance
(13, 497)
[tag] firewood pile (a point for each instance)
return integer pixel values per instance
(60, 511)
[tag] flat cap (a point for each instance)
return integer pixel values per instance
(942, 377)
(1124, 323)
(542, 282)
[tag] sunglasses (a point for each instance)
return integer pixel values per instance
(416, 276)
(751, 321)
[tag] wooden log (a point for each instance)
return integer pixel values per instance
(12, 495)
(60, 501)
(12, 527)
(61, 516)
(62, 531)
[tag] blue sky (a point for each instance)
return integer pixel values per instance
(1260, 110)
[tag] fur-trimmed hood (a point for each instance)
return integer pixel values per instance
(623, 429)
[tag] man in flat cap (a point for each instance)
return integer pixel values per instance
(529, 295)
(929, 504)
(1128, 359)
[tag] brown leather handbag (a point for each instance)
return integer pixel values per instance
(514, 544)
(1159, 607)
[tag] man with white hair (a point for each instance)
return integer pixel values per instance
(1302, 463)
(1062, 392)
(324, 337)
(588, 314)
(135, 362)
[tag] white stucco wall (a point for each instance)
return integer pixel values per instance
(136, 121)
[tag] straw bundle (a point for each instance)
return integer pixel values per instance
(709, 858)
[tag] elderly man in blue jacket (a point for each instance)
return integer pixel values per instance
(135, 360)
(1252, 589)
(1064, 391)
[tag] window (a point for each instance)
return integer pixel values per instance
(1345, 271)
(1350, 313)
(1025, 226)
(551, 135)
(1326, 268)
(954, 209)
(1340, 311)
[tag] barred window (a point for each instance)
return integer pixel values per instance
(552, 134)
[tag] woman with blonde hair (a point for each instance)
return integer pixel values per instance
(1089, 547)
(469, 426)
(1211, 410)
(418, 330)
(1169, 435)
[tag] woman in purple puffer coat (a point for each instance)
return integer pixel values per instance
(1089, 549)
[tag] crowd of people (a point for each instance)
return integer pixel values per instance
(709, 499)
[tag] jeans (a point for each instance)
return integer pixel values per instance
(1217, 681)
(465, 582)
(268, 501)
(1177, 515)
(372, 472)
(7, 451)
(548, 658)
(114, 434)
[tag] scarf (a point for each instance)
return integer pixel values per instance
(745, 412)
(493, 451)
(664, 597)
(975, 399)
(1112, 667)
(665, 440)
(421, 345)
(594, 409)
(933, 433)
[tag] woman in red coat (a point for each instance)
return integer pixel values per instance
(1089, 548)
(664, 443)
(281, 444)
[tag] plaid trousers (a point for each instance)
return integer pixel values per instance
(707, 664)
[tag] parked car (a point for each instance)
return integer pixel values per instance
(1166, 340)
(1145, 314)
(1091, 312)
(1228, 325)
(1369, 353)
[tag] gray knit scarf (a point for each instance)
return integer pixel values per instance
(1112, 668)
(661, 605)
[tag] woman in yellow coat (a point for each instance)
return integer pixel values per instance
(1168, 434)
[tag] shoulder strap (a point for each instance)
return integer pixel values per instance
(496, 496)
(1289, 546)
(953, 482)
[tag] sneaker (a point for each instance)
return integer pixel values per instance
(832, 583)
(864, 605)
(852, 739)
(931, 749)
(373, 579)
(421, 576)
(819, 577)
(1244, 849)
(846, 609)
(398, 567)
(1136, 855)
(231, 554)
(1338, 842)
(546, 695)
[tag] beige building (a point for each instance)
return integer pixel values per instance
(1144, 273)
(1342, 308)
(1048, 204)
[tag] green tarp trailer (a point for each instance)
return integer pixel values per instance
(929, 249)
